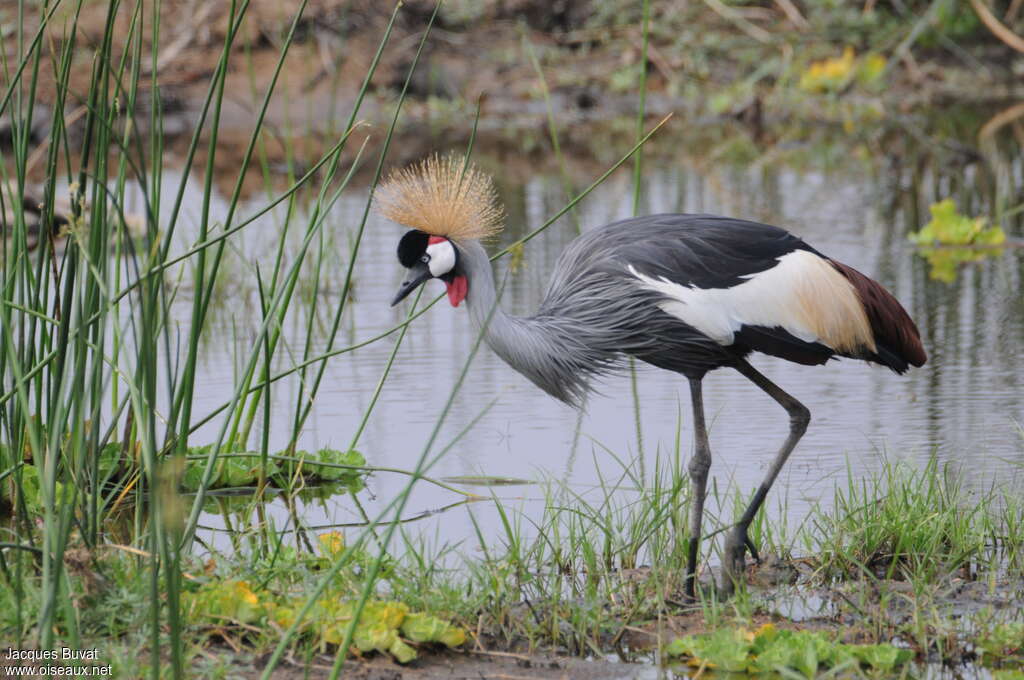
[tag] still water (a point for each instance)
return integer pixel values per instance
(965, 407)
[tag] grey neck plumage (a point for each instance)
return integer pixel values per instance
(541, 347)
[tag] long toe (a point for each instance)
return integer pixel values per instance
(734, 563)
(753, 549)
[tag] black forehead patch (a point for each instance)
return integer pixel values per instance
(411, 247)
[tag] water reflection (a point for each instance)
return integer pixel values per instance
(966, 406)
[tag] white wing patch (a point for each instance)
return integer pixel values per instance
(802, 294)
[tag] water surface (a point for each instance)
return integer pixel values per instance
(965, 407)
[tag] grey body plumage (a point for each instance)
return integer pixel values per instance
(688, 293)
(595, 313)
(584, 327)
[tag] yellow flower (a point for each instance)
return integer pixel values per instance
(243, 590)
(331, 543)
(829, 75)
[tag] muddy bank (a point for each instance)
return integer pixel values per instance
(522, 60)
(477, 666)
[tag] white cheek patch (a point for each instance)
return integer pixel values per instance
(442, 258)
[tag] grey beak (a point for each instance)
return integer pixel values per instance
(419, 273)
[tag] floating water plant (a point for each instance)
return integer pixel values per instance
(836, 73)
(1002, 644)
(951, 239)
(272, 596)
(232, 471)
(243, 469)
(386, 627)
(770, 650)
(236, 606)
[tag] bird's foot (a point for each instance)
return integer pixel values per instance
(734, 562)
(752, 548)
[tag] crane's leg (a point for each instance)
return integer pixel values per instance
(700, 463)
(737, 542)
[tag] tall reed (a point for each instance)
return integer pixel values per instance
(91, 358)
(103, 327)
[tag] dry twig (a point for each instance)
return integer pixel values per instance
(998, 29)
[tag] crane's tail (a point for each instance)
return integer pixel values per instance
(898, 343)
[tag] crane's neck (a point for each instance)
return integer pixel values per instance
(537, 347)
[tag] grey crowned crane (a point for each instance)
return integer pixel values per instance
(687, 293)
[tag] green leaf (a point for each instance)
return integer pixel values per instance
(193, 475)
(948, 229)
(1008, 674)
(881, 657)
(217, 602)
(871, 70)
(375, 636)
(109, 460)
(1001, 642)
(402, 652)
(421, 627)
(234, 472)
(724, 649)
(30, 490)
(787, 652)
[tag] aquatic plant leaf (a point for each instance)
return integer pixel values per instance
(352, 477)
(234, 472)
(373, 637)
(31, 495)
(402, 651)
(485, 480)
(1007, 674)
(231, 600)
(453, 636)
(516, 252)
(799, 651)
(1001, 642)
(284, 616)
(109, 460)
(788, 652)
(193, 475)
(391, 614)
(880, 657)
(725, 649)
(384, 626)
(763, 637)
(420, 627)
(949, 228)
(871, 70)
(254, 466)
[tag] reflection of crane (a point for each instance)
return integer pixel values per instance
(689, 293)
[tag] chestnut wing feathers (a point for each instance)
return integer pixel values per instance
(896, 336)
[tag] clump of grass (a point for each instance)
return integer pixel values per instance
(99, 383)
(595, 561)
(905, 523)
(1001, 643)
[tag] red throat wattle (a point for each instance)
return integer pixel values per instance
(457, 289)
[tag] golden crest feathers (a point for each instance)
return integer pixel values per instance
(438, 197)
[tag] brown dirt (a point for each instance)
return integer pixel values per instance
(474, 666)
(585, 74)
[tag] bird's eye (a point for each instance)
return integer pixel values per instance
(425, 258)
